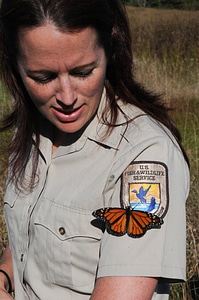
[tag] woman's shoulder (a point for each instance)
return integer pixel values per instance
(141, 125)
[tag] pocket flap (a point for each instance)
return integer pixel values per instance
(66, 222)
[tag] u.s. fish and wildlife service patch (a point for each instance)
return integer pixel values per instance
(145, 187)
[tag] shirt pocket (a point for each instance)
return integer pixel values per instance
(67, 245)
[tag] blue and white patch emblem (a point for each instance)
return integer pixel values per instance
(145, 187)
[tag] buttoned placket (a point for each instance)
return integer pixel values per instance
(32, 202)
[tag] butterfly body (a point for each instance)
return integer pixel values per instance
(120, 221)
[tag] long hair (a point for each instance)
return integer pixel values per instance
(108, 18)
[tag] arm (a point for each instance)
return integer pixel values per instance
(6, 265)
(128, 288)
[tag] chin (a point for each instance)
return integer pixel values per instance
(70, 129)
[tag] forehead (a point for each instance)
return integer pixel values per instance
(48, 43)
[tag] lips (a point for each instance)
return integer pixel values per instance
(66, 112)
(70, 115)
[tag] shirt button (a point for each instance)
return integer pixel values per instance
(62, 230)
(22, 257)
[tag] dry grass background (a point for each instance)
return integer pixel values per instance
(4, 138)
(166, 54)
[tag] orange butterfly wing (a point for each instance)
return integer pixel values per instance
(139, 222)
(114, 218)
(133, 222)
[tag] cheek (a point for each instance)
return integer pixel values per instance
(94, 86)
(38, 93)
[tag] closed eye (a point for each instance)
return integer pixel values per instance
(43, 79)
(81, 74)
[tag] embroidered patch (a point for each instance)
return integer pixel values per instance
(144, 201)
(145, 187)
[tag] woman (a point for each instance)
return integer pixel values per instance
(97, 183)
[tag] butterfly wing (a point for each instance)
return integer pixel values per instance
(114, 218)
(139, 222)
(133, 222)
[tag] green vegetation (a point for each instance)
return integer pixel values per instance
(179, 4)
(166, 52)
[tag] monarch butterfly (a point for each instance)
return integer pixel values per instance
(120, 221)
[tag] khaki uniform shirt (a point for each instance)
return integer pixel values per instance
(58, 247)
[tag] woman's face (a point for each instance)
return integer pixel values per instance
(63, 73)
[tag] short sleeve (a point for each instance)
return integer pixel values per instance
(157, 178)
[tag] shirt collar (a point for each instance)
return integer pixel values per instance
(95, 131)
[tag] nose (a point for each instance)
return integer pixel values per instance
(65, 92)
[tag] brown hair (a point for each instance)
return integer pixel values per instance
(108, 18)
